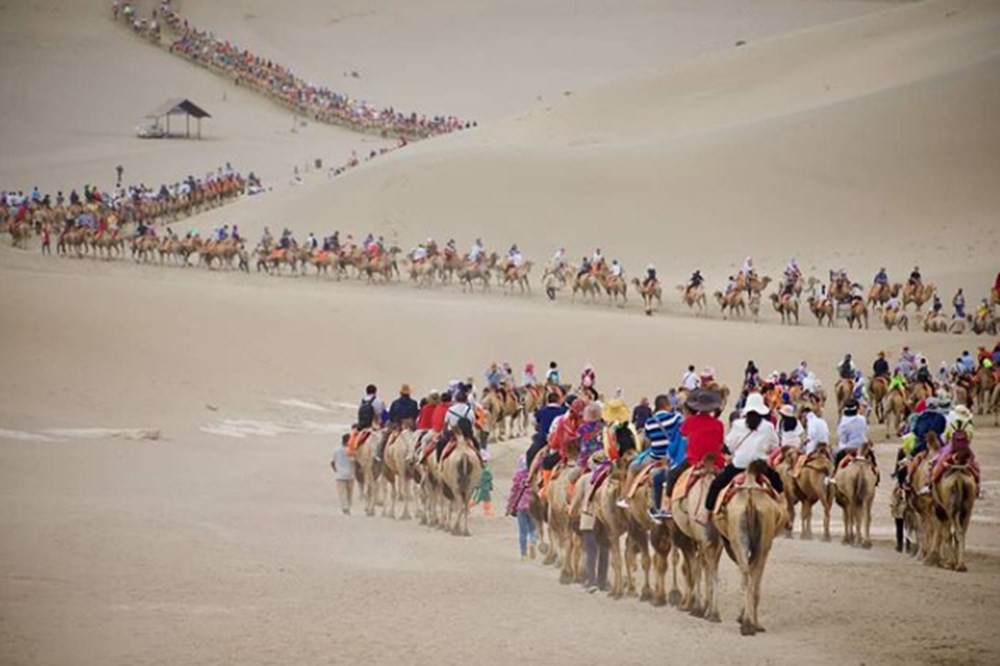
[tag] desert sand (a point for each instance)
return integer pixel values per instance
(165, 433)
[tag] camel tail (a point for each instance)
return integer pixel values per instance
(860, 490)
(754, 530)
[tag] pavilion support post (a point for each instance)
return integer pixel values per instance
(187, 125)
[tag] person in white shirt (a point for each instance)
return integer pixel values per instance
(852, 431)
(598, 258)
(559, 258)
(817, 431)
(419, 254)
(751, 438)
(790, 430)
(616, 269)
(690, 379)
(476, 252)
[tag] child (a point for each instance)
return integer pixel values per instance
(482, 492)
(518, 504)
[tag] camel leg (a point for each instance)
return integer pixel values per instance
(807, 510)
(647, 593)
(617, 583)
(866, 523)
(827, 507)
(746, 625)
(711, 574)
(407, 496)
(960, 527)
(660, 563)
(674, 597)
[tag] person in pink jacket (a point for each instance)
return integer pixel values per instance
(519, 505)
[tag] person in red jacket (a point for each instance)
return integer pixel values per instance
(705, 435)
(426, 417)
(437, 417)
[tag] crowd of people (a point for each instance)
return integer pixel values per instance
(98, 210)
(280, 83)
(685, 426)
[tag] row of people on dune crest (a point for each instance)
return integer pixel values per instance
(672, 470)
(98, 214)
(279, 82)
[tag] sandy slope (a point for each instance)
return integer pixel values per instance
(889, 163)
(210, 547)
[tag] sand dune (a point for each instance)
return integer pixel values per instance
(164, 432)
(906, 163)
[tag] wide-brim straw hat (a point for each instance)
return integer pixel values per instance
(787, 410)
(616, 411)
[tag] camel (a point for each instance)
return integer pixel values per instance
(460, 474)
(532, 399)
(984, 323)
(384, 266)
(398, 472)
(878, 387)
(733, 301)
(19, 232)
(895, 319)
(954, 497)
(368, 471)
(844, 389)
(880, 294)
(922, 504)
(752, 284)
(644, 534)
(539, 509)
(855, 483)
(918, 295)
(810, 487)
(587, 284)
(649, 294)
(108, 244)
(935, 322)
(822, 309)
(693, 297)
(518, 276)
(616, 286)
(467, 275)
(144, 247)
(957, 326)
(614, 521)
(748, 524)
(984, 384)
(503, 414)
(564, 526)
(700, 542)
(856, 313)
(787, 307)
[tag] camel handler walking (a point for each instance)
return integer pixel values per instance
(343, 469)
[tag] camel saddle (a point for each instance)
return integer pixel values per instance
(744, 482)
(450, 447)
(915, 463)
(822, 453)
(597, 479)
(956, 460)
(643, 475)
(689, 478)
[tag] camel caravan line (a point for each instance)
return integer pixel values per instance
(277, 82)
(589, 485)
(97, 224)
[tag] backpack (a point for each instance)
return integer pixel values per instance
(366, 413)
